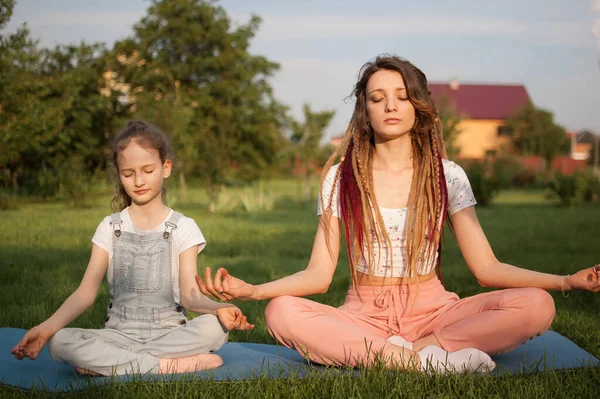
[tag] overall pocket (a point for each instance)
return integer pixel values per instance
(141, 271)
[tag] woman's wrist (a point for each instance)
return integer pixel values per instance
(564, 285)
(257, 293)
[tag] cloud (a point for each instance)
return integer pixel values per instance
(307, 27)
(318, 27)
(85, 18)
(595, 8)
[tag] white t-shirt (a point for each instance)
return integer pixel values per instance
(460, 196)
(186, 235)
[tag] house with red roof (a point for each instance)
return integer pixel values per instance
(484, 108)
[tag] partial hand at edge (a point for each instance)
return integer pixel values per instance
(587, 279)
(32, 343)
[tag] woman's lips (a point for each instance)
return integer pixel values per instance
(392, 121)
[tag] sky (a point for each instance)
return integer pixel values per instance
(552, 47)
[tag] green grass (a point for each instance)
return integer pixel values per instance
(44, 248)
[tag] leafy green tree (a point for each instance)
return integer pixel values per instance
(306, 138)
(534, 132)
(54, 116)
(19, 87)
(191, 72)
(450, 120)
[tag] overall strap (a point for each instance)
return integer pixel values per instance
(116, 223)
(171, 224)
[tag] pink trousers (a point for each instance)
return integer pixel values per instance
(352, 334)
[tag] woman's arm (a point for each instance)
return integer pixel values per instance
(77, 303)
(315, 279)
(492, 273)
(317, 276)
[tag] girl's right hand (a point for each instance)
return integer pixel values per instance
(32, 343)
(225, 286)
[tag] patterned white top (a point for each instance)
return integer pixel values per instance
(460, 196)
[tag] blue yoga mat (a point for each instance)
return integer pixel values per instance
(550, 351)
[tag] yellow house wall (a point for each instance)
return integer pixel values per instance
(478, 136)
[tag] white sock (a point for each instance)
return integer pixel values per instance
(441, 361)
(400, 341)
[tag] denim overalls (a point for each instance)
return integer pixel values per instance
(143, 322)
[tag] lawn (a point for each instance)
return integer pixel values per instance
(44, 248)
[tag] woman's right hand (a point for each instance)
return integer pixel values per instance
(32, 343)
(225, 287)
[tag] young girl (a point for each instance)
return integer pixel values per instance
(148, 253)
(392, 191)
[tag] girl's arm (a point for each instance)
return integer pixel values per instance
(191, 297)
(315, 279)
(79, 301)
(230, 316)
(492, 273)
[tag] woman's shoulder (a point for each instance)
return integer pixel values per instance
(332, 172)
(450, 165)
(452, 170)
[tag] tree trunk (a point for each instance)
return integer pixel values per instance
(15, 181)
(183, 190)
(307, 186)
(209, 194)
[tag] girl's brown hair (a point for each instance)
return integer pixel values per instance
(147, 136)
(428, 198)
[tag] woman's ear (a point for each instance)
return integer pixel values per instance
(167, 167)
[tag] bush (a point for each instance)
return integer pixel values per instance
(484, 182)
(504, 170)
(7, 202)
(510, 172)
(576, 189)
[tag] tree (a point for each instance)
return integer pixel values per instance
(193, 75)
(53, 117)
(534, 132)
(18, 90)
(306, 138)
(450, 120)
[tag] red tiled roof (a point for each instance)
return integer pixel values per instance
(481, 101)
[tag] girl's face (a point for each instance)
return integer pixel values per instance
(142, 173)
(390, 113)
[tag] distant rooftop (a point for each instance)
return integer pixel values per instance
(482, 101)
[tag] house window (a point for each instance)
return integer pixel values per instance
(504, 130)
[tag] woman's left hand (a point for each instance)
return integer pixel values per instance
(586, 279)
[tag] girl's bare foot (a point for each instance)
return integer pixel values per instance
(203, 361)
(87, 372)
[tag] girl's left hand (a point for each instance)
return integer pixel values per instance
(586, 279)
(232, 318)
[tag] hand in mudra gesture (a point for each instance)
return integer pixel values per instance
(586, 279)
(224, 286)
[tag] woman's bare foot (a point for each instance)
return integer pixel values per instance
(203, 361)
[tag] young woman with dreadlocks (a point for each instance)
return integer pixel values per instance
(391, 188)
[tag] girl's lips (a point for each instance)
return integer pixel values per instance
(392, 120)
(140, 192)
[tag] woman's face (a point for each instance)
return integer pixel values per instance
(390, 113)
